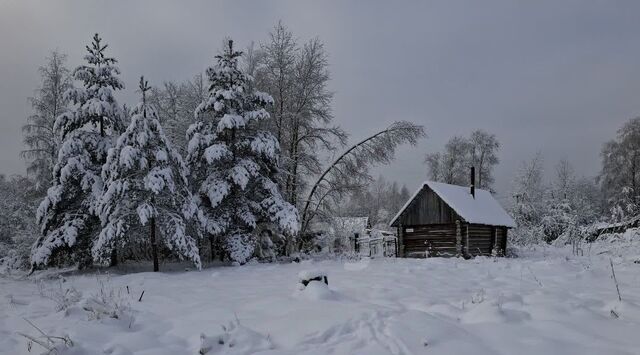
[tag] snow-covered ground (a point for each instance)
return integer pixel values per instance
(544, 302)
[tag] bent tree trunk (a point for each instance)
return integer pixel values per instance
(375, 149)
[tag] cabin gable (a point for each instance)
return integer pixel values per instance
(427, 208)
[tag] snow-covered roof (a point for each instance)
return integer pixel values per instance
(483, 209)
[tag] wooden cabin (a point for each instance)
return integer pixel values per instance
(449, 220)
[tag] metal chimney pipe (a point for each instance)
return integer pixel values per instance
(473, 182)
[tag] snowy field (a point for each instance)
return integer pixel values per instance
(544, 302)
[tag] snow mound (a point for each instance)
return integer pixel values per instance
(318, 291)
(235, 339)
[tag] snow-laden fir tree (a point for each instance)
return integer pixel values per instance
(145, 184)
(67, 215)
(234, 163)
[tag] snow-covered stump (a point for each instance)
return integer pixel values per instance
(314, 285)
(307, 276)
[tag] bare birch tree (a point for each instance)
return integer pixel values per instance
(175, 104)
(484, 156)
(451, 165)
(47, 103)
(297, 77)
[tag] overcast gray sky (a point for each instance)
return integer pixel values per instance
(559, 77)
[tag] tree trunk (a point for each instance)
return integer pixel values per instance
(295, 161)
(154, 245)
(114, 257)
(211, 248)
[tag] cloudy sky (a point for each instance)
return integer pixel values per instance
(556, 77)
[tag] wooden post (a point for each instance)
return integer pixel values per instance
(395, 246)
(504, 240)
(494, 241)
(400, 248)
(466, 239)
(458, 238)
(154, 246)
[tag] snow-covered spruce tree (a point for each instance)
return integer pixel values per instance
(145, 183)
(233, 162)
(67, 215)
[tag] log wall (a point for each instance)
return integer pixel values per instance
(440, 239)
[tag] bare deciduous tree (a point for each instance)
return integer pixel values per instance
(527, 207)
(451, 166)
(484, 149)
(175, 104)
(620, 175)
(48, 103)
(297, 77)
(378, 201)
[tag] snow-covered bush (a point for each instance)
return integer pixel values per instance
(109, 302)
(546, 212)
(526, 234)
(64, 296)
(559, 218)
(623, 245)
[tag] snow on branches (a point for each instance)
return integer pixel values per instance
(67, 214)
(93, 104)
(145, 184)
(234, 163)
